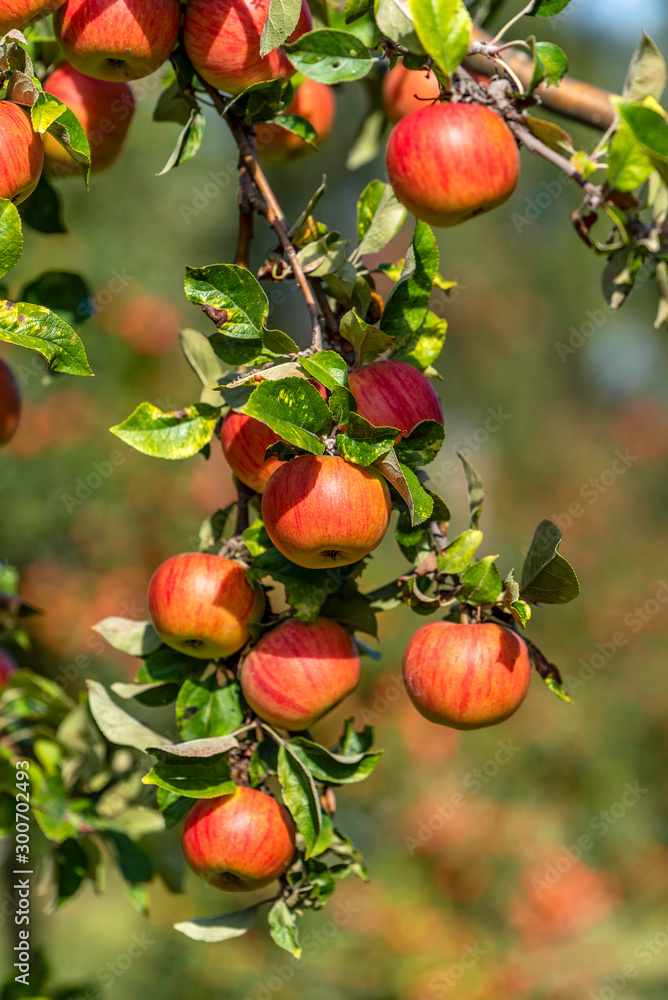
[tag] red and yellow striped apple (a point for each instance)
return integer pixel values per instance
(10, 404)
(299, 671)
(201, 604)
(313, 101)
(222, 39)
(450, 162)
(119, 40)
(466, 676)
(406, 90)
(20, 13)
(22, 156)
(394, 394)
(322, 512)
(105, 110)
(239, 842)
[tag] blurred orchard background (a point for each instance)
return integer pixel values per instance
(524, 861)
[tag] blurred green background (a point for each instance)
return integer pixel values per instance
(525, 861)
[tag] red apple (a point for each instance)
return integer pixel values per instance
(299, 671)
(406, 90)
(7, 668)
(10, 403)
(104, 109)
(313, 101)
(118, 39)
(201, 604)
(322, 512)
(394, 394)
(450, 162)
(22, 156)
(239, 842)
(222, 39)
(21, 13)
(466, 676)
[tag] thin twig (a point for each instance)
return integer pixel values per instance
(534, 145)
(525, 10)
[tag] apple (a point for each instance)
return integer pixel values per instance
(105, 110)
(10, 403)
(299, 671)
(405, 90)
(450, 162)
(118, 39)
(22, 153)
(313, 101)
(466, 676)
(7, 668)
(222, 39)
(394, 394)
(322, 512)
(239, 842)
(201, 604)
(20, 13)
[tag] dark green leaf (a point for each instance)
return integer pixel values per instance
(422, 445)
(420, 504)
(204, 709)
(188, 142)
(474, 487)
(327, 367)
(43, 210)
(547, 577)
(547, 8)
(300, 796)
(355, 9)
(362, 443)
(550, 64)
(407, 305)
(298, 126)
(334, 768)
(232, 290)
(205, 780)
(380, 216)
(481, 582)
(369, 342)
(63, 292)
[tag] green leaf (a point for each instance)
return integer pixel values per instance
(650, 129)
(481, 582)
(129, 636)
(354, 9)
(205, 780)
(294, 409)
(62, 291)
(547, 8)
(41, 330)
(647, 73)
(521, 612)
(351, 609)
(222, 928)
(324, 256)
(353, 742)
(422, 346)
(204, 709)
(457, 556)
(551, 134)
(235, 292)
(300, 796)
(550, 64)
(278, 342)
(117, 725)
(395, 21)
(380, 216)
(629, 166)
(327, 367)
(444, 27)
(547, 577)
(174, 105)
(261, 102)
(340, 402)
(422, 445)
(549, 673)
(420, 504)
(43, 210)
(369, 138)
(175, 436)
(330, 56)
(188, 142)
(165, 665)
(407, 305)
(334, 768)
(282, 19)
(475, 490)
(362, 443)
(369, 342)
(11, 236)
(202, 358)
(209, 746)
(304, 587)
(298, 126)
(283, 927)
(69, 132)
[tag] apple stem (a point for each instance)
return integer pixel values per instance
(269, 208)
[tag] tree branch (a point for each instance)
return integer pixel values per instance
(572, 98)
(271, 210)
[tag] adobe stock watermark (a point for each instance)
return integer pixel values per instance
(644, 953)
(537, 206)
(446, 979)
(594, 488)
(599, 825)
(635, 621)
(84, 486)
(474, 781)
(110, 972)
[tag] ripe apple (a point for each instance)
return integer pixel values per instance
(323, 512)
(394, 394)
(466, 676)
(105, 110)
(239, 842)
(245, 440)
(201, 604)
(10, 403)
(21, 13)
(22, 156)
(313, 101)
(450, 162)
(7, 668)
(299, 671)
(222, 39)
(118, 40)
(406, 90)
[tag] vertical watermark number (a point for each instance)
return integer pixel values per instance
(22, 873)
